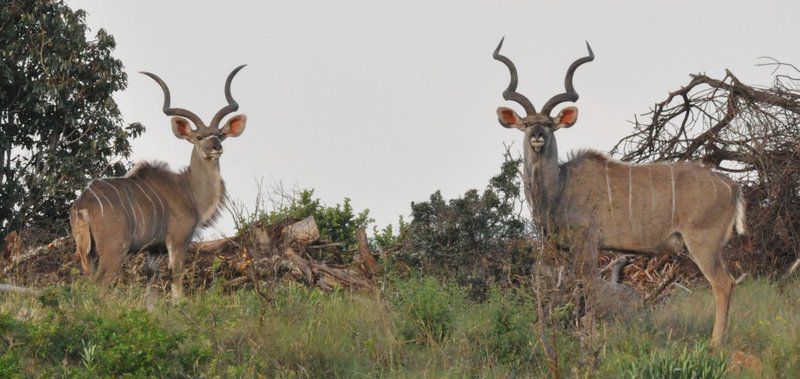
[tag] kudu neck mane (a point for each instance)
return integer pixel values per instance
(206, 187)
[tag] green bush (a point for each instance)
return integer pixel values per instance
(694, 363)
(10, 355)
(510, 338)
(94, 339)
(472, 238)
(336, 223)
(429, 308)
(386, 237)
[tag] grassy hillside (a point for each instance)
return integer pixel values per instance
(415, 328)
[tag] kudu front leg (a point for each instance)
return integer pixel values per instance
(177, 255)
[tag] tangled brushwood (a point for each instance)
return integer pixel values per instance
(289, 249)
(751, 133)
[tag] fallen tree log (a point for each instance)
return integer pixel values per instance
(302, 232)
(363, 256)
(9, 288)
(16, 260)
(280, 247)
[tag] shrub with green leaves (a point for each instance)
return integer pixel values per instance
(386, 237)
(98, 341)
(510, 339)
(336, 223)
(429, 308)
(695, 363)
(472, 236)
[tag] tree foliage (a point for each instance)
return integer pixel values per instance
(60, 125)
(475, 231)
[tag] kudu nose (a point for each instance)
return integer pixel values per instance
(216, 145)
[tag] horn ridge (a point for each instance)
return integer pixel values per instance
(570, 94)
(510, 92)
(174, 111)
(232, 104)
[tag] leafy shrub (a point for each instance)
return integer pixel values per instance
(474, 236)
(387, 238)
(695, 363)
(429, 308)
(336, 223)
(10, 356)
(97, 340)
(510, 338)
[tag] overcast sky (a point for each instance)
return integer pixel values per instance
(385, 102)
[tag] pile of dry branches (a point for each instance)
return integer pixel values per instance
(751, 133)
(260, 256)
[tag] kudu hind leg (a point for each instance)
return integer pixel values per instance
(108, 266)
(82, 234)
(709, 259)
(151, 270)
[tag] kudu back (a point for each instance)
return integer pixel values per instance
(153, 206)
(593, 202)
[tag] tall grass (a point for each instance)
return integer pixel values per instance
(417, 327)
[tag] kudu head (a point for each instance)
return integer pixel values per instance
(539, 126)
(206, 139)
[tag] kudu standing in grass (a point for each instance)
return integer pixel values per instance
(592, 202)
(152, 206)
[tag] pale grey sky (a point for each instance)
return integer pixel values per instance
(387, 101)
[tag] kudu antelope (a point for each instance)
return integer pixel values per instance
(592, 202)
(152, 206)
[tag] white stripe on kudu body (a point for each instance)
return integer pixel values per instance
(131, 200)
(98, 200)
(133, 211)
(163, 223)
(630, 193)
(608, 188)
(155, 216)
(121, 203)
(672, 181)
(103, 195)
(730, 191)
(713, 184)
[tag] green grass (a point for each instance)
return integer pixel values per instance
(416, 327)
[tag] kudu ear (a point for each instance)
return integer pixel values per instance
(566, 118)
(181, 127)
(508, 118)
(235, 126)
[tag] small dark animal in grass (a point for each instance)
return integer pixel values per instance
(593, 202)
(152, 206)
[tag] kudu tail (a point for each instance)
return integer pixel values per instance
(82, 234)
(740, 216)
(739, 222)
